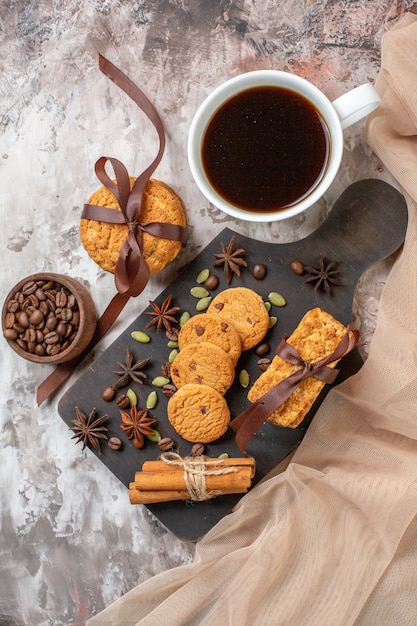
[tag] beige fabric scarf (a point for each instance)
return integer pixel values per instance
(331, 540)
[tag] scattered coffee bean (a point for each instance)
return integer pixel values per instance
(108, 394)
(212, 282)
(41, 307)
(297, 267)
(166, 369)
(264, 363)
(165, 444)
(172, 334)
(114, 443)
(262, 349)
(122, 401)
(197, 449)
(169, 389)
(259, 271)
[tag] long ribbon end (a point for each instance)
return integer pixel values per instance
(101, 62)
(40, 397)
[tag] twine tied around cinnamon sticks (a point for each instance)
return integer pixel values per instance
(195, 471)
(197, 479)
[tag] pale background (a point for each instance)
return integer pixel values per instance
(70, 542)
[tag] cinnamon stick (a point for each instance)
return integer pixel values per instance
(199, 478)
(137, 496)
(161, 466)
(175, 480)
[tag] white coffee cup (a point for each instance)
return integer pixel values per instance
(337, 115)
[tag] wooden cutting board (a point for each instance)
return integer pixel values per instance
(366, 224)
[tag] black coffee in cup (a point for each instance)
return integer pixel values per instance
(265, 149)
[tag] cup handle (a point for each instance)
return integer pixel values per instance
(357, 103)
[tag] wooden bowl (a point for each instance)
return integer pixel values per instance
(32, 310)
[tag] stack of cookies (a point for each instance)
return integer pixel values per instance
(103, 240)
(210, 346)
(317, 336)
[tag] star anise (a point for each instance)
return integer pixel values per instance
(323, 276)
(163, 316)
(130, 370)
(231, 259)
(136, 424)
(89, 429)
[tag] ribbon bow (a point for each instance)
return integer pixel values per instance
(131, 271)
(319, 369)
(247, 423)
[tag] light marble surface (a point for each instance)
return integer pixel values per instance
(70, 542)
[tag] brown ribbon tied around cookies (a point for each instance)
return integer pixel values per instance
(132, 271)
(249, 421)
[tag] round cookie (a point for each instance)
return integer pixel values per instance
(198, 413)
(211, 329)
(203, 364)
(246, 310)
(103, 241)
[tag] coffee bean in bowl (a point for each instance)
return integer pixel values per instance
(48, 318)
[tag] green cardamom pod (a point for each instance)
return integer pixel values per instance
(202, 276)
(199, 292)
(203, 304)
(152, 400)
(277, 299)
(132, 397)
(140, 336)
(244, 378)
(160, 381)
